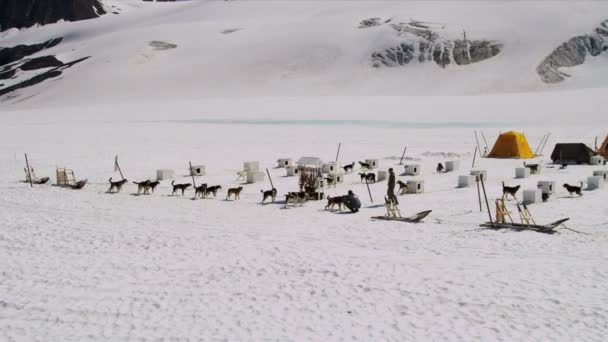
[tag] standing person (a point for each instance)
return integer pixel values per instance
(352, 202)
(391, 187)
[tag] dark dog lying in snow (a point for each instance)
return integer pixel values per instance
(574, 189)
(182, 187)
(116, 186)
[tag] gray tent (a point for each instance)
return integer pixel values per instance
(573, 153)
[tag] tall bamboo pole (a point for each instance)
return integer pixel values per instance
(29, 174)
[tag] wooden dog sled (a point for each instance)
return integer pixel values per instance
(546, 228)
(394, 214)
(411, 219)
(30, 177)
(66, 179)
(527, 221)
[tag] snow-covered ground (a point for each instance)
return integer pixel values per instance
(90, 266)
(86, 265)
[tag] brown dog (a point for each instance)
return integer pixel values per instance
(236, 192)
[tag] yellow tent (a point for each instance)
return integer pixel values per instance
(511, 145)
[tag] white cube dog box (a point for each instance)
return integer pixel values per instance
(452, 165)
(337, 177)
(164, 174)
(292, 171)
(466, 181)
(415, 186)
(309, 162)
(546, 187)
(596, 160)
(382, 176)
(373, 163)
(601, 173)
(284, 162)
(522, 172)
(251, 166)
(533, 196)
(481, 174)
(254, 177)
(198, 170)
(595, 183)
(330, 167)
(412, 170)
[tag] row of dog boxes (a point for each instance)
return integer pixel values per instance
(466, 181)
(416, 169)
(328, 167)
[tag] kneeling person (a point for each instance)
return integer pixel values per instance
(352, 202)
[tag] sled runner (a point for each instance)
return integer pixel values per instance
(34, 180)
(411, 219)
(547, 228)
(527, 221)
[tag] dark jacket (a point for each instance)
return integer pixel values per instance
(391, 180)
(352, 202)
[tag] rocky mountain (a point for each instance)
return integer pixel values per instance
(424, 43)
(27, 13)
(573, 53)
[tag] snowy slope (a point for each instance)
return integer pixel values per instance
(295, 80)
(301, 49)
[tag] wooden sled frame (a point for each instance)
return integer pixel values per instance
(66, 179)
(417, 218)
(527, 221)
(547, 228)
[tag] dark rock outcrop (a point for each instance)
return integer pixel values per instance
(371, 22)
(27, 13)
(5, 75)
(12, 54)
(573, 53)
(459, 52)
(41, 63)
(14, 59)
(425, 45)
(160, 45)
(53, 73)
